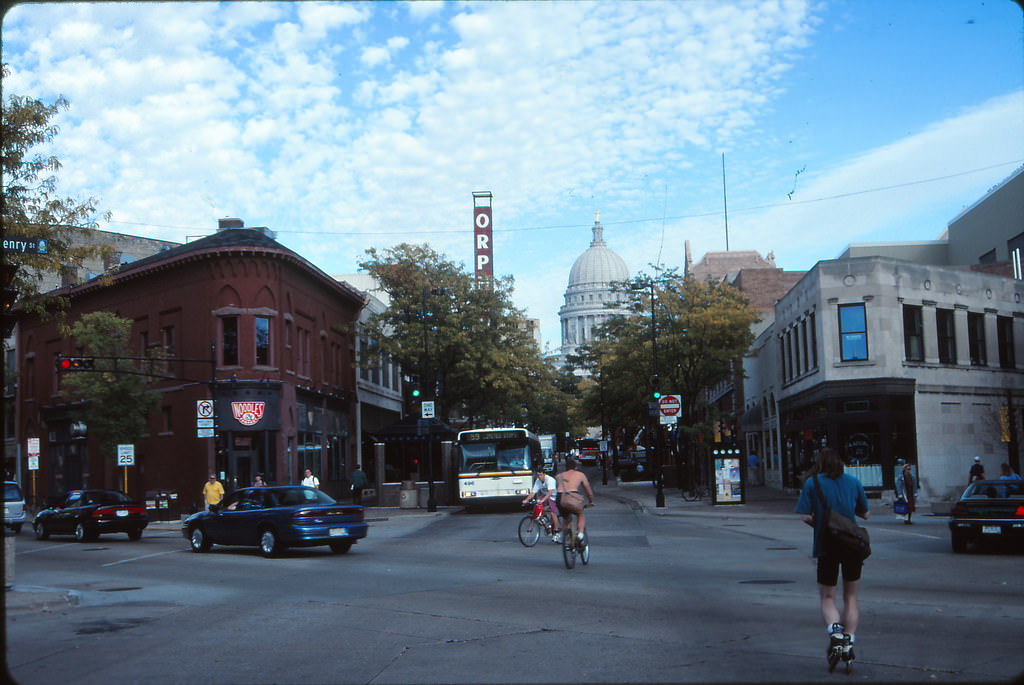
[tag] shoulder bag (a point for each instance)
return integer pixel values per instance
(841, 536)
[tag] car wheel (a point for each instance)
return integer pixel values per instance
(41, 531)
(82, 533)
(269, 544)
(959, 543)
(134, 533)
(198, 541)
(341, 546)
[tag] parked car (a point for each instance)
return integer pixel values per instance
(276, 518)
(87, 514)
(14, 506)
(988, 511)
(633, 465)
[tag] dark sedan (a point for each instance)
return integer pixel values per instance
(86, 514)
(276, 518)
(988, 511)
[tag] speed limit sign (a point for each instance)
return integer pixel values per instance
(126, 455)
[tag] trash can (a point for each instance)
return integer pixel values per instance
(407, 495)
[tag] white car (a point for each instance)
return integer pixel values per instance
(14, 506)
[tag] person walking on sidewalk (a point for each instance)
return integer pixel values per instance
(906, 490)
(359, 482)
(844, 494)
(213, 491)
(311, 481)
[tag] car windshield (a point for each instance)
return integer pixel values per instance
(12, 493)
(995, 489)
(294, 497)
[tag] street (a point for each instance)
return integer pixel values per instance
(689, 594)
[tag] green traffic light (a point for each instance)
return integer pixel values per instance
(415, 392)
(657, 395)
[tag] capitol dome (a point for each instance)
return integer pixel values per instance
(590, 299)
(598, 264)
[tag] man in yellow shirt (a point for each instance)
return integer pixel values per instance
(213, 491)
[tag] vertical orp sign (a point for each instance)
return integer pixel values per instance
(483, 249)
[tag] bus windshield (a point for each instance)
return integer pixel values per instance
(504, 455)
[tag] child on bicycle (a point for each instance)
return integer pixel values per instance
(570, 498)
(544, 491)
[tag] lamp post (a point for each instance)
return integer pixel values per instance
(659, 499)
(427, 379)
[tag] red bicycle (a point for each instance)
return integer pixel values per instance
(532, 524)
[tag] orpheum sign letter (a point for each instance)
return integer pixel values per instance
(482, 238)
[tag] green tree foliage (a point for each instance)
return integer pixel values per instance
(701, 329)
(31, 204)
(114, 401)
(464, 340)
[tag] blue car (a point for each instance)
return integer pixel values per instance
(276, 518)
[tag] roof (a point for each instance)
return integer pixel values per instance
(598, 264)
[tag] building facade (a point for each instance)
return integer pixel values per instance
(238, 324)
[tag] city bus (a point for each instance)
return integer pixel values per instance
(495, 465)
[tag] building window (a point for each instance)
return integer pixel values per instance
(853, 333)
(263, 341)
(167, 338)
(946, 329)
(229, 341)
(1004, 331)
(976, 338)
(913, 333)
(814, 342)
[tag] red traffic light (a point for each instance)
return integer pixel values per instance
(75, 363)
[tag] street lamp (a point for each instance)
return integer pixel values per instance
(659, 499)
(431, 384)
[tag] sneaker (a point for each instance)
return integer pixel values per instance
(579, 536)
(557, 537)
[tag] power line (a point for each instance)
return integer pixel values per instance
(624, 222)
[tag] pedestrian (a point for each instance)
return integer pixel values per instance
(258, 481)
(906, 490)
(310, 480)
(213, 491)
(1006, 472)
(359, 481)
(844, 494)
(977, 471)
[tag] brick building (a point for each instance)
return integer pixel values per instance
(271, 337)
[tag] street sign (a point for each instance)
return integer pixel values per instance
(204, 423)
(126, 455)
(204, 432)
(25, 246)
(427, 409)
(204, 409)
(670, 405)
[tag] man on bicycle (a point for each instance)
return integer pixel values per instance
(570, 497)
(544, 491)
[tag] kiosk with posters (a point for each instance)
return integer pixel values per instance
(730, 474)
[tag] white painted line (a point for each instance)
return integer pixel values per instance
(144, 556)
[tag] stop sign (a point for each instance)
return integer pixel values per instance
(669, 405)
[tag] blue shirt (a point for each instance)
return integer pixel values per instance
(844, 494)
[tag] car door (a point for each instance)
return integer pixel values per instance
(238, 518)
(65, 514)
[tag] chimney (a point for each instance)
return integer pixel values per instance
(226, 224)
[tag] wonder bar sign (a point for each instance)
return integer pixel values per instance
(482, 236)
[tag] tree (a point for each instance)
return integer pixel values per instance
(464, 341)
(699, 331)
(113, 401)
(31, 206)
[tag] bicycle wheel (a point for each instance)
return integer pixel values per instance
(585, 549)
(529, 531)
(693, 494)
(569, 550)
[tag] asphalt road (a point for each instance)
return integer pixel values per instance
(689, 593)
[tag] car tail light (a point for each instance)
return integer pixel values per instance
(959, 510)
(1020, 510)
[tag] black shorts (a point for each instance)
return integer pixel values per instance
(828, 570)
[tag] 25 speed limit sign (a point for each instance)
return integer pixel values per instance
(126, 455)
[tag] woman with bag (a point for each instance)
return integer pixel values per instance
(828, 488)
(906, 493)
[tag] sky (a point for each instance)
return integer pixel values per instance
(343, 126)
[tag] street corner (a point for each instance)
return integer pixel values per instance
(24, 599)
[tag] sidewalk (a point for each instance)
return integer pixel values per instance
(759, 501)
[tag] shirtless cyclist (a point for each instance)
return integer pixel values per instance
(571, 485)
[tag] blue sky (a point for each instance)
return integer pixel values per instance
(344, 126)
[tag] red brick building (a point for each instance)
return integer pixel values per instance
(246, 323)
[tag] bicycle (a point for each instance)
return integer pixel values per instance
(696, 492)
(573, 546)
(531, 525)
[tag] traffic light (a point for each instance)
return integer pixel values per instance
(75, 363)
(656, 387)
